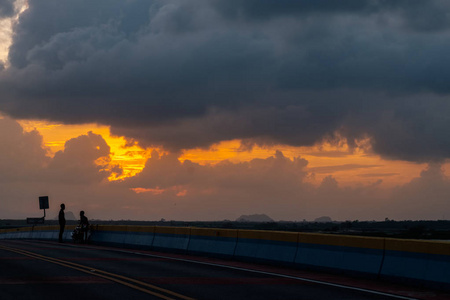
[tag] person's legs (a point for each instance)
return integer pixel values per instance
(61, 232)
(83, 235)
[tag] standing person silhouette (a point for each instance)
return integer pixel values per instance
(62, 222)
(84, 224)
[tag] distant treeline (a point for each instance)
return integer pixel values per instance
(436, 230)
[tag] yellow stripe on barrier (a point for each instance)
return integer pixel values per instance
(229, 233)
(417, 246)
(111, 227)
(22, 229)
(46, 228)
(141, 229)
(172, 230)
(342, 240)
(268, 235)
(19, 229)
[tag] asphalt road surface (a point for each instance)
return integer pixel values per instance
(49, 270)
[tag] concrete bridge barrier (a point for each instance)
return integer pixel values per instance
(171, 238)
(109, 234)
(423, 262)
(361, 255)
(139, 236)
(417, 261)
(218, 242)
(267, 246)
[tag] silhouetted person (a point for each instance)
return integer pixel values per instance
(62, 222)
(84, 225)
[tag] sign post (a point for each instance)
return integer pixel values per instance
(43, 204)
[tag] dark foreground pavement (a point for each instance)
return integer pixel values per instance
(48, 270)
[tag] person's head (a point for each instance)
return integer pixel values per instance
(81, 213)
(63, 206)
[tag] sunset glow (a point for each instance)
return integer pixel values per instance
(349, 166)
(207, 110)
(130, 158)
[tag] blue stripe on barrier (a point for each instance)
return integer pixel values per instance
(171, 241)
(258, 249)
(212, 244)
(421, 266)
(360, 260)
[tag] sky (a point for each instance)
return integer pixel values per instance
(211, 109)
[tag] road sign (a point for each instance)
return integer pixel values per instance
(43, 202)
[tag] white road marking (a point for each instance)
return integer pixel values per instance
(249, 270)
(264, 273)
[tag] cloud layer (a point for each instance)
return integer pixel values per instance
(168, 188)
(186, 74)
(6, 8)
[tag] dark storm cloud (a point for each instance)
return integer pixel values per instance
(409, 127)
(186, 74)
(264, 9)
(416, 14)
(6, 8)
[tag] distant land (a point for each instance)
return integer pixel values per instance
(263, 218)
(323, 220)
(407, 229)
(254, 218)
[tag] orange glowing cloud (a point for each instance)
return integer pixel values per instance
(131, 158)
(155, 191)
(179, 191)
(349, 166)
(290, 183)
(182, 193)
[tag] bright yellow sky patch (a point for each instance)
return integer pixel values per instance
(131, 159)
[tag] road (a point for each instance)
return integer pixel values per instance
(49, 270)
